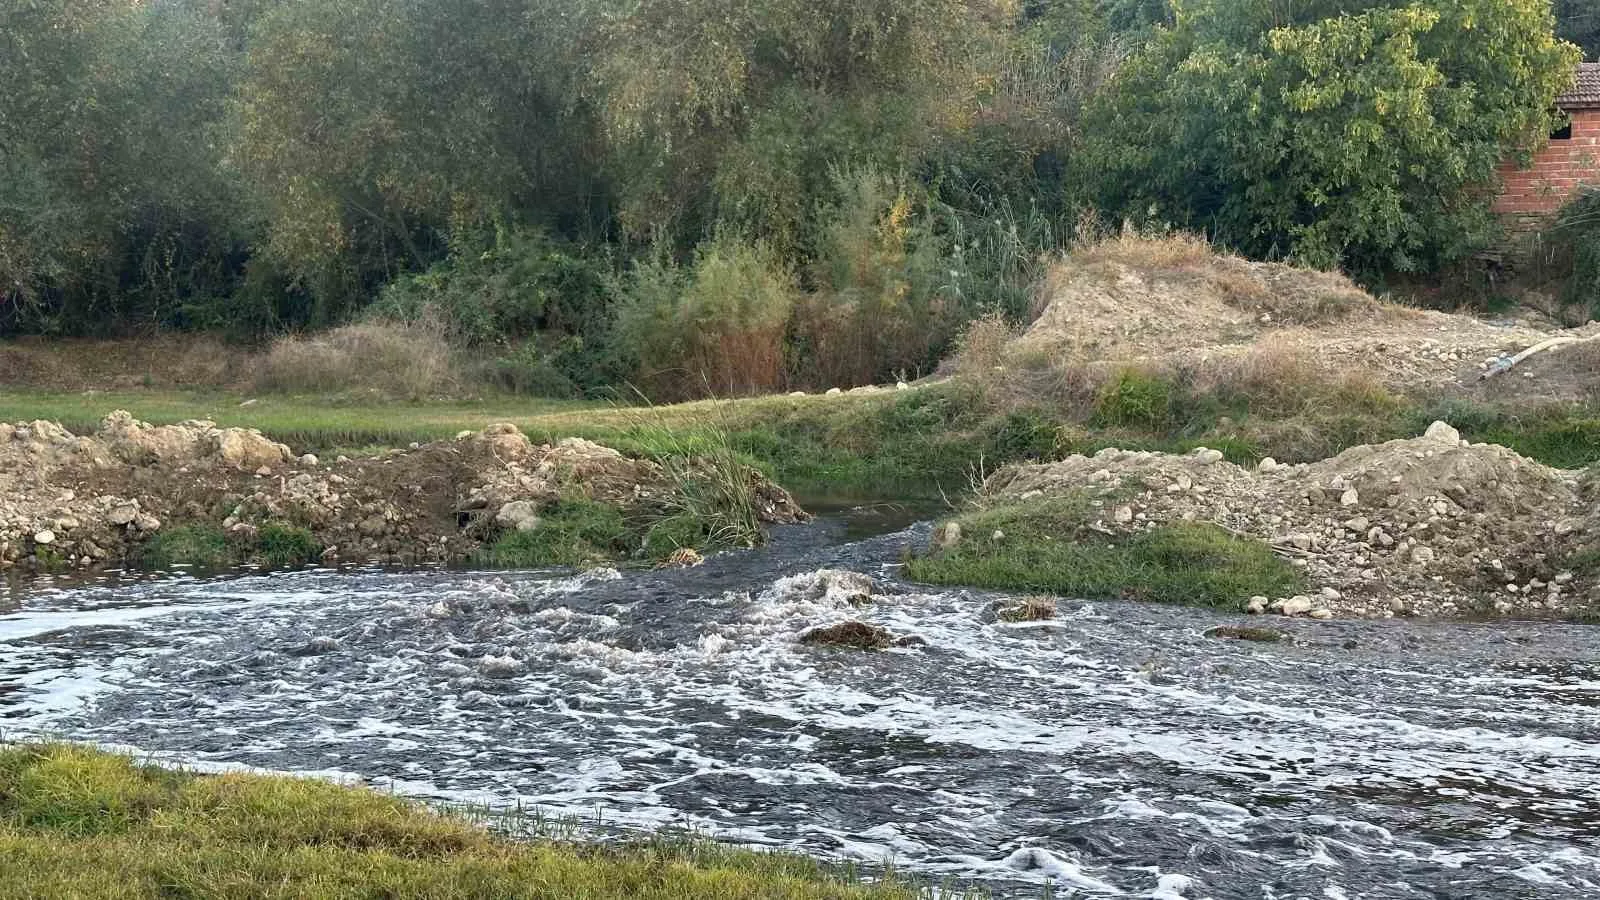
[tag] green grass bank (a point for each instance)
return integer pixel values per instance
(76, 822)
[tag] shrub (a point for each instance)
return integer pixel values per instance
(407, 361)
(717, 326)
(1575, 247)
(1135, 399)
(884, 303)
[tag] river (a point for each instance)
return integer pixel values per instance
(1114, 751)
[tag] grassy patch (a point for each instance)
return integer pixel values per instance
(207, 547)
(196, 546)
(76, 822)
(283, 545)
(570, 533)
(1046, 547)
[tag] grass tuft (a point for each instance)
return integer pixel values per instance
(284, 545)
(195, 546)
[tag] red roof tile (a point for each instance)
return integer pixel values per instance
(1585, 94)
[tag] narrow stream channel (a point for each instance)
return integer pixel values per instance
(1115, 751)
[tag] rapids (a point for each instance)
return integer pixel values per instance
(1114, 751)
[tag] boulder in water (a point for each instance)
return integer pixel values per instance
(850, 633)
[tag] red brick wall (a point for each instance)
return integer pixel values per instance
(1557, 171)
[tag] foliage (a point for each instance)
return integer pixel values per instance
(1047, 546)
(1362, 135)
(77, 822)
(1579, 22)
(1574, 241)
(714, 326)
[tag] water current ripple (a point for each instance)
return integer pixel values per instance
(1115, 751)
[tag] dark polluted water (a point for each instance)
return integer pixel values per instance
(1115, 751)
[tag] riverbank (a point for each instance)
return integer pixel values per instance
(77, 822)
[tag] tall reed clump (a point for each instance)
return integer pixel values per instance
(713, 497)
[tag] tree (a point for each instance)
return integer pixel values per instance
(373, 130)
(1579, 22)
(1363, 134)
(735, 111)
(111, 197)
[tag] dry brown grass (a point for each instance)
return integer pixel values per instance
(410, 362)
(983, 347)
(1175, 250)
(1281, 294)
(1277, 377)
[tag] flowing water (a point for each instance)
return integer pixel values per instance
(1115, 751)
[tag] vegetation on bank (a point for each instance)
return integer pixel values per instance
(1048, 546)
(207, 547)
(559, 199)
(76, 822)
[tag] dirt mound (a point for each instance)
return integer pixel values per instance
(80, 501)
(1425, 526)
(1174, 303)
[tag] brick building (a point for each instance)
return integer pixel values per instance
(1570, 160)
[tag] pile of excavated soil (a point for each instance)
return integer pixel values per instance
(1210, 309)
(1430, 526)
(96, 499)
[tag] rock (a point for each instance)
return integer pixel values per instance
(505, 442)
(373, 526)
(833, 392)
(842, 587)
(1245, 633)
(1349, 498)
(1267, 465)
(1256, 606)
(319, 645)
(1359, 525)
(1123, 515)
(1028, 609)
(998, 536)
(683, 557)
(1443, 433)
(147, 523)
(123, 514)
(1329, 593)
(1297, 605)
(1207, 457)
(850, 633)
(1323, 614)
(519, 515)
(946, 536)
(1422, 555)
(249, 451)
(44, 538)
(309, 459)
(901, 386)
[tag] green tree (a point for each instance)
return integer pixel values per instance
(369, 130)
(1579, 22)
(735, 111)
(113, 206)
(1363, 134)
